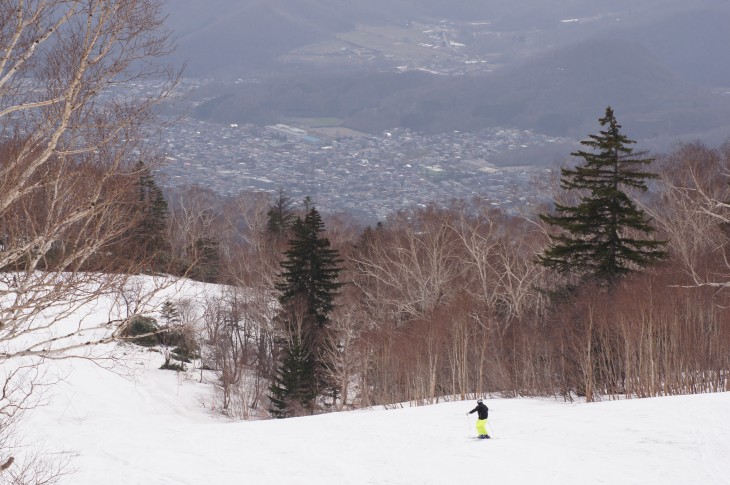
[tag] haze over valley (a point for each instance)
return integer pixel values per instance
(358, 71)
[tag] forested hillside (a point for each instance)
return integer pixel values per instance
(453, 300)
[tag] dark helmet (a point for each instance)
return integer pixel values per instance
(479, 401)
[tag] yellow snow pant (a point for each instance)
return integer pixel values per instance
(481, 426)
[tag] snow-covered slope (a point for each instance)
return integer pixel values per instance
(142, 425)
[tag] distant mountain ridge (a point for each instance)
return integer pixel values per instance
(660, 63)
(561, 92)
(233, 38)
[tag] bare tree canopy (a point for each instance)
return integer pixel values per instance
(78, 80)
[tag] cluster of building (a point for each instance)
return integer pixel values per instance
(365, 175)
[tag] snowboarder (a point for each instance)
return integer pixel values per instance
(483, 412)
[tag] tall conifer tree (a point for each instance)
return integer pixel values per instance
(293, 388)
(153, 205)
(147, 240)
(280, 216)
(601, 236)
(307, 288)
(311, 268)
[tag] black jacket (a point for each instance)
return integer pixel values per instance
(482, 409)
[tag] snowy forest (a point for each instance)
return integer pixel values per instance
(616, 287)
(454, 299)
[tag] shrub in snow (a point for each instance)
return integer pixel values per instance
(142, 331)
(168, 365)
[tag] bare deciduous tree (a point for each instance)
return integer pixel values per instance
(71, 130)
(694, 211)
(343, 347)
(234, 325)
(409, 270)
(75, 107)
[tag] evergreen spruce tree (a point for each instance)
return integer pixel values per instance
(170, 336)
(293, 388)
(207, 264)
(601, 236)
(311, 268)
(169, 314)
(149, 237)
(281, 216)
(307, 287)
